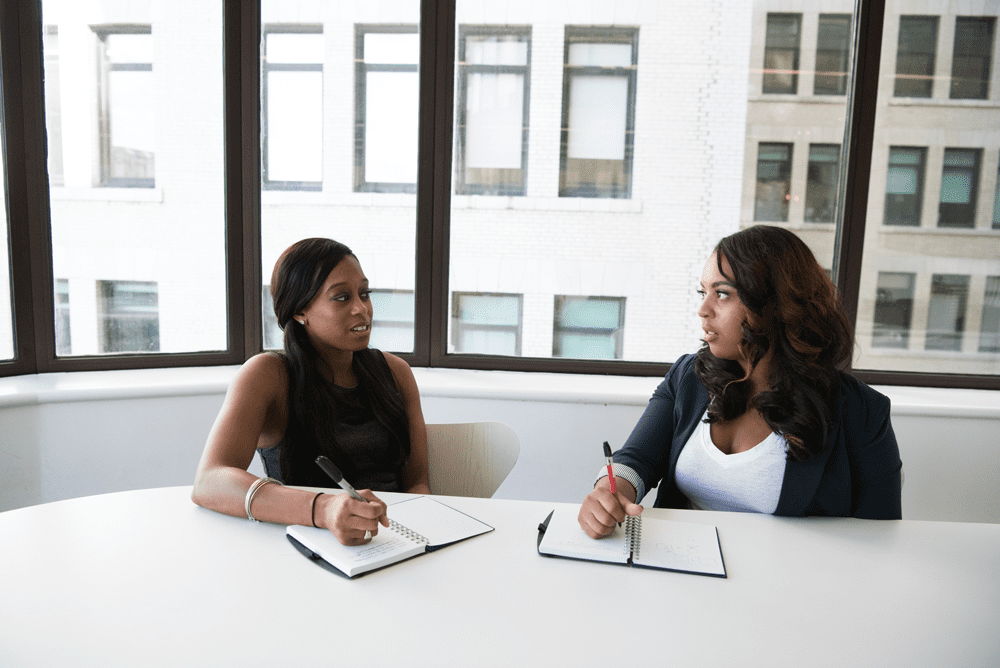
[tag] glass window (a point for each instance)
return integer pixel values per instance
(904, 185)
(126, 93)
(588, 327)
(489, 324)
(989, 339)
(970, 65)
(833, 47)
(165, 232)
(274, 336)
(781, 53)
(996, 204)
(492, 109)
(959, 186)
(822, 183)
(392, 320)
(774, 169)
(127, 317)
(385, 118)
(598, 104)
(292, 121)
(893, 310)
(915, 56)
(946, 312)
(6, 297)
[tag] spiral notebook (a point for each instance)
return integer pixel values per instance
(416, 526)
(666, 545)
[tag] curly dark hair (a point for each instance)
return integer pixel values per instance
(298, 275)
(794, 313)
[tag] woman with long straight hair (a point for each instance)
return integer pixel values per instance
(763, 418)
(327, 394)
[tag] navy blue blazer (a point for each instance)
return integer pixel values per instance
(857, 476)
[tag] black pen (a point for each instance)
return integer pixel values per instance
(338, 477)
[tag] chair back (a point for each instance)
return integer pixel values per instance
(470, 459)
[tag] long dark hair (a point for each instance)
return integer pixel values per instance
(794, 313)
(298, 275)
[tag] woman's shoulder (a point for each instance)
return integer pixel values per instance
(858, 400)
(264, 371)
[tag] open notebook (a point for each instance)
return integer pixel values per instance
(647, 543)
(416, 525)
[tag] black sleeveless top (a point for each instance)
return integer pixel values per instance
(376, 458)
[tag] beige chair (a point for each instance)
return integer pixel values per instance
(470, 459)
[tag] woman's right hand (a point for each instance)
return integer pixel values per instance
(349, 519)
(602, 511)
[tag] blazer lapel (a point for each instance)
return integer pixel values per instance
(799, 485)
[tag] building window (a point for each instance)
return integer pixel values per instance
(53, 105)
(64, 339)
(893, 310)
(946, 312)
(493, 85)
(959, 186)
(774, 185)
(274, 336)
(127, 121)
(489, 324)
(386, 106)
(833, 46)
(904, 185)
(292, 119)
(781, 53)
(588, 327)
(915, 56)
(599, 87)
(970, 65)
(822, 194)
(989, 338)
(128, 317)
(996, 204)
(392, 324)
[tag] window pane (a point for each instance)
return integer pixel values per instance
(486, 324)
(915, 56)
(931, 252)
(648, 137)
(989, 340)
(356, 72)
(138, 248)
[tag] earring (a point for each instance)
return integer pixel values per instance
(302, 322)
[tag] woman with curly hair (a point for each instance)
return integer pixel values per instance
(762, 419)
(327, 394)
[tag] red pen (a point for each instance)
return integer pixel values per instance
(611, 474)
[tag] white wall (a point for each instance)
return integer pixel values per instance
(68, 435)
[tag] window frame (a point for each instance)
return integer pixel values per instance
(102, 32)
(285, 29)
(28, 203)
(768, 73)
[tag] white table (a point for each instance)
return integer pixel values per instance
(146, 578)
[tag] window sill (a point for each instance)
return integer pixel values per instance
(57, 388)
(942, 102)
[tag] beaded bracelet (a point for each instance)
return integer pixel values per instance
(260, 482)
(313, 513)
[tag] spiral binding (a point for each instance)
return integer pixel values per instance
(633, 529)
(407, 533)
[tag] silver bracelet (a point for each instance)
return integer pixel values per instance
(260, 482)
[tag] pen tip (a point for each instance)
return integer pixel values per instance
(607, 449)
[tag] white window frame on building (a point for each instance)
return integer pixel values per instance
(395, 160)
(971, 65)
(833, 54)
(901, 175)
(127, 318)
(959, 187)
(771, 175)
(782, 47)
(491, 155)
(565, 326)
(598, 112)
(483, 320)
(916, 52)
(123, 167)
(293, 132)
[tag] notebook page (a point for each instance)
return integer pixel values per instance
(565, 538)
(680, 546)
(384, 548)
(440, 524)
